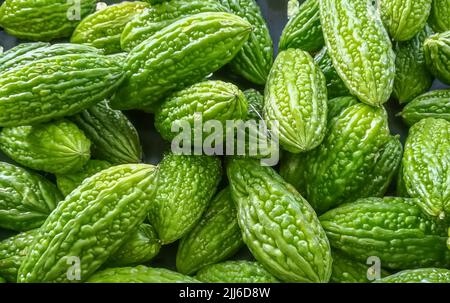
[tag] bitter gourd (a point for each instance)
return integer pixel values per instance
(335, 85)
(296, 101)
(292, 170)
(56, 87)
(139, 274)
(303, 31)
(214, 100)
(57, 147)
(255, 102)
(421, 275)
(43, 20)
(254, 60)
(357, 159)
(279, 227)
(158, 16)
(440, 15)
(360, 48)
(426, 165)
(113, 136)
(68, 182)
(179, 55)
(26, 199)
(434, 104)
(186, 185)
(235, 272)
(412, 76)
(90, 224)
(337, 105)
(403, 19)
(390, 229)
(141, 247)
(437, 55)
(292, 8)
(215, 238)
(104, 28)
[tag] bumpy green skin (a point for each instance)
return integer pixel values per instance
(403, 19)
(296, 101)
(141, 247)
(412, 76)
(303, 31)
(335, 85)
(235, 272)
(215, 100)
(56, 87)
(360, 48)
(337, 105)
(389, 228)
(104, 28)
(113, 136)
(401, 190)
(186, 185)
(43, 20)
(437, 55)
(422, 275)
(158, 16)
(179, 55)
(91, 223)
(293, 8)
(279, 227)
(26, 199)
(351, 158)
(434, 104)
(139, 274)
(292, 170)
(255, 102)
(426, 165)
(68, 182)
(347, 270)
(26, 53)
(215, 238)
(12, 252)
(58, 147)
(440, 15)
(255, 59)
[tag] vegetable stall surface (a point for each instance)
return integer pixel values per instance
(91, 172)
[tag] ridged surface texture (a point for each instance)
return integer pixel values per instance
(412, 76)
(113, 136)
(104, 28)
(26, 199)
(214, 100)
(255, 102)
(352, 163)
(296, 101)
(421, 275)
(139, 248)
(279, 227)
(337, 105)
(390, 229)
(157, 17)
(186, 185)
(255, 59)
(55, 147)
(90, 224)
(440, 15)
(43, 20)
(437, 55)
(235, 272)
(403, 19)
(56, 87)
(68, 182)
(139, 274)
(335, 85)
(426, 165)
(303, 31)
(215, 238)
(292, 170)
(434, 104)
(360, 48)
(179, 55)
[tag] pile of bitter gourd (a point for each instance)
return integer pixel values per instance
(82, 207)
